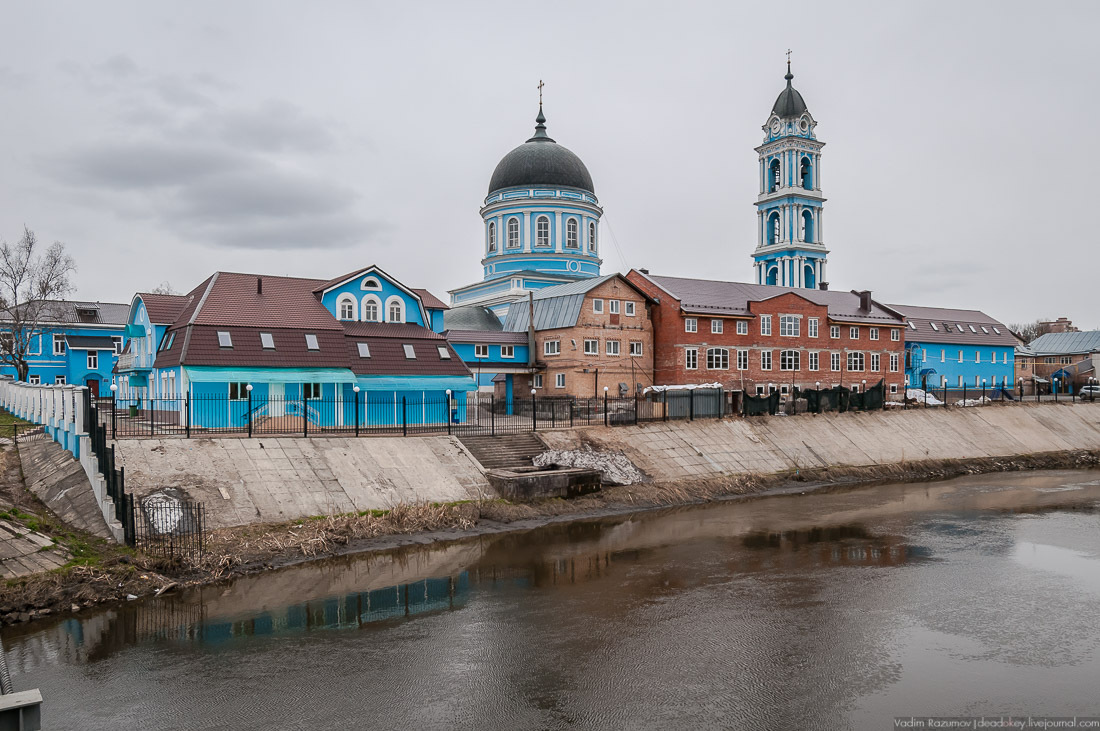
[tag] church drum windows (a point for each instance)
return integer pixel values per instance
(571, 234)
(513, 233)
(592, 238)
(542, 231)
(492, 236)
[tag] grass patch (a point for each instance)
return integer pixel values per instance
(9, 423)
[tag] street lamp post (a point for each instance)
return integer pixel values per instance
(605, 406)
(1056, 389)
(983, 392)
(447, 410)
(355, 390)
(114, 403)
(249, 389)
(817, 385)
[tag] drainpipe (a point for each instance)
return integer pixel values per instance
(530, 329)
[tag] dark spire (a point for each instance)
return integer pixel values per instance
(540, 128)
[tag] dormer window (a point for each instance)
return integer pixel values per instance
(267, 341)
(444, 354)
(396, 311)
(410, 353)
(911, 325)
(311, 342)
(370, 283)
(972, 329)
(347, 309)
(933, 326)
(364, 350)
(225, 340)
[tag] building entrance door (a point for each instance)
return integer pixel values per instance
(93, 387)
(276, 399)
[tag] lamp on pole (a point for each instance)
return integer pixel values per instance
(248, 388)
(534, 416)
(983, 391)
(1055, 389)
(355, 390)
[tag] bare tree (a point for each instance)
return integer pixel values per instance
(30, 285)
(1030, 330)
(164, 287)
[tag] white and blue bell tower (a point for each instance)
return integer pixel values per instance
(789, 249)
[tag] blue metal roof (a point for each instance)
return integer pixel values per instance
(555, 307)
(1067, 343)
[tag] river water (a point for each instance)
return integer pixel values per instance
(831, 610)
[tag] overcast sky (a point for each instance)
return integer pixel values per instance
(166, 141)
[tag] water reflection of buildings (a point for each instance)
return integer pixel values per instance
(842, 545)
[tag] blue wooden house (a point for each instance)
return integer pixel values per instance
(362, 348)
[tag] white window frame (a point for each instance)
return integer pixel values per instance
(834, 332)
(410, 351)
(551, 347)
(394, 302)
(60, 381)
(874, 333)
(895, 334)
(597, 306)
(542, 239)
(635, 348)
(613, 307)
(716, 327)
(876, 362)
(790, 324)
(742, 327)
(311, 342)
(813, 361)
(225, 339)
(834, 362)
(691, 359)
(613, 347)
(59, 345)
(742, 359)
(311, 391)
(481, 350)
(765, 360)
(853, 332)
(592, 240)
(793, 360)
(718, 359)
(346, 301)
(444, 353)
(513, 227)
(492, 236)
(267, 340)
(536, 380)
(238, 391)
(572, 234)
(856, 358)
(371, 309)
(364, 350)
(812, 327)
(895, 361)
(507, 351)
(765, 324)
(691, 325)
(93, 360)
(628, 308)
(591, 346)
(116, 339)
(559, 380)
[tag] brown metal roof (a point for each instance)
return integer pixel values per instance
(387, 357)
(203, 348)
(389, 330)
(430, 300)
(163, 309)
(711, 297)
(234, 299)
(948, 323)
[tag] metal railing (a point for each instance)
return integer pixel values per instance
(170, 527)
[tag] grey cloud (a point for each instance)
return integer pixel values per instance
(144, 164)
(180, 92)
(261, 191)
(120, 67)
(274, 126)
(323, 232)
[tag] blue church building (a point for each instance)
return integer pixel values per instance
(541, 223)
(789, 250)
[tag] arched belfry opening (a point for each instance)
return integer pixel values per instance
(806, 174)
(808, 226)
(775, 179)
(808, 278)
(773, 228)
(773, 276)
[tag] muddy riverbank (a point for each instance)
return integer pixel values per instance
(116, 574)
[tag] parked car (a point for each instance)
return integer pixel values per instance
(1089, 392)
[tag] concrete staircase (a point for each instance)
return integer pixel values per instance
(502, 452)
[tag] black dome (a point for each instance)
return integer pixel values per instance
(789, 103)
(541, 161)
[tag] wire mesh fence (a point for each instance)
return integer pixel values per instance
(170, 527)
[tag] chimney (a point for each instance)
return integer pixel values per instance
(824, 286)
(259, 285)
(644, 271)
(865, 300)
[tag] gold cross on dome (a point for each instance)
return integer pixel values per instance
(540, 91)
(788, 55)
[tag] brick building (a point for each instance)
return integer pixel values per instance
(758, 338)
(588, 334)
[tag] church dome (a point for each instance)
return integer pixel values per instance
(540, 161)
(789, 103)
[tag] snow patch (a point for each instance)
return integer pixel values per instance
(614, 467)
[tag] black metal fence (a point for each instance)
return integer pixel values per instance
(170, 527)
(368, 414)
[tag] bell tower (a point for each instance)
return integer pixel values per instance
(789, 248)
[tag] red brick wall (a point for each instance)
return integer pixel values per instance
(671, 341)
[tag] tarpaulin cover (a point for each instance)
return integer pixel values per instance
(843, 399)
(756, 405)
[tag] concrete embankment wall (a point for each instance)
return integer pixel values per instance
(269, 480)
(266, 480)
(763, 445)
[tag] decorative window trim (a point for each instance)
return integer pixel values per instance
(492, 236)
(346, 300)
(513, 229)
(591, 347)
(572, 234)
(370, 299)
(613, 347)
(371, 284)
(392, 300)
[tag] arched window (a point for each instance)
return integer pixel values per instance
(774, 177)
(395, 309)
(773, 228)
(372, 309)
(805, 172)
(808, 226)
(370, 283)
(808, 277)
(513, 233)
(492, 236)
(592, 237)
(571, 234)
(773, 276)
(345, 306)
(542, 231)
